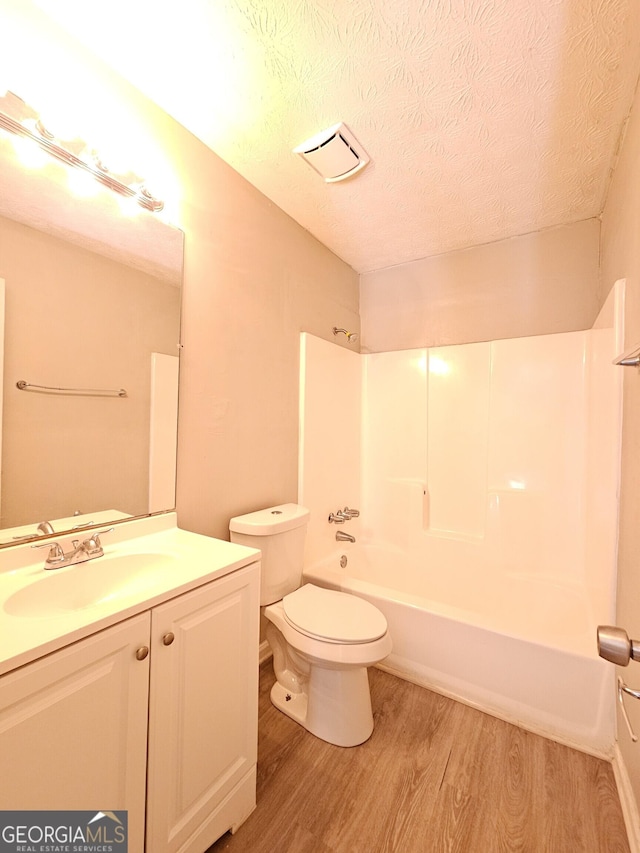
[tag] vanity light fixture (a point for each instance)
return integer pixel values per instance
(26, 123)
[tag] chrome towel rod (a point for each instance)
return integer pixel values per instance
(88, 392)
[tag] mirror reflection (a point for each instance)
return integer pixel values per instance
(91, 306)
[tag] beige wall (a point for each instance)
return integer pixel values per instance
(532, 285)
(253, 280)
(621, 259)
(76, 319)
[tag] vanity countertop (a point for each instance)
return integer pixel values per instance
(33, 623)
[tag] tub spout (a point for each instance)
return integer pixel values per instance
(341, 536)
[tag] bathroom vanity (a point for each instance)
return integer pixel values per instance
(133, 685)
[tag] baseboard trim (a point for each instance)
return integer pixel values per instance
(542, 731)
(264, 652)
(627, 800)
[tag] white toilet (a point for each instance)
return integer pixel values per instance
(322, 640)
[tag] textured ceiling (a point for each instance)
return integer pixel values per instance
(483, 119)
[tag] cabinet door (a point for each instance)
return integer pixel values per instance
(73, 728)
(203, 715)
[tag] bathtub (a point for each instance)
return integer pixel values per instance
(520, 647)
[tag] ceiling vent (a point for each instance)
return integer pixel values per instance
(335, 153)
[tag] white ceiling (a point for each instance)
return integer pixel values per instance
(484, 119)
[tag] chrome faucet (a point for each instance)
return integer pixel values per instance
(92, 545)
(343, 515)
(337, 517)
(80, 552)
(45, 528)
(56, 556)
(341, 536)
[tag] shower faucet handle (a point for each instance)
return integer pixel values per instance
(350, 513)
(614, 645)
(337, 518)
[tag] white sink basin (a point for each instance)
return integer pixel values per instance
(147, 562)
(90, 584)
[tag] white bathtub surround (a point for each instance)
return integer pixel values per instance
(488, 497)
(502, 452)
(329, 440)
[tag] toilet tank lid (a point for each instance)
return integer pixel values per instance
(274, 519)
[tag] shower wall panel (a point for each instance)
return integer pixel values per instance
(497, 457)
(329, 441)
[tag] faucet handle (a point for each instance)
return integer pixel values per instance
(93, 545)
(100, 533)
(337, 518)
(351, 513)
(56, 554)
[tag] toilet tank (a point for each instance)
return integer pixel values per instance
(279, 532)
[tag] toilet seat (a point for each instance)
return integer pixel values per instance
(332, 616)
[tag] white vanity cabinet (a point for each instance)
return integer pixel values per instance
(156, 715)
(203, 715)
(73, 728)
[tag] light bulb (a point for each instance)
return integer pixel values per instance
(29, 153)
(82, 183)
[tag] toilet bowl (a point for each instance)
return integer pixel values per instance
(322, 643)
(322, 640)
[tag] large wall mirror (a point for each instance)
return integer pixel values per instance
(92, 325)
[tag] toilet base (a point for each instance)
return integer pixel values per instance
(294, 705)
(336, 706)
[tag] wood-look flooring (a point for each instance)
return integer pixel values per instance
(435, 776)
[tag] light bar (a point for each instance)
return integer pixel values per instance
(47, 141)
